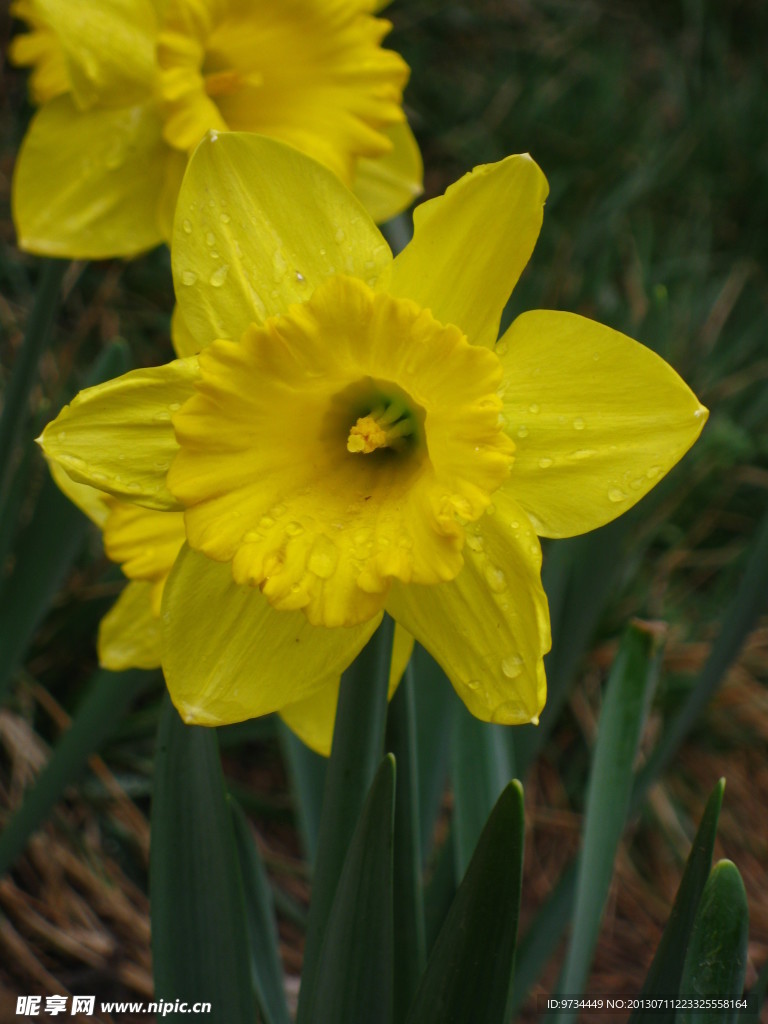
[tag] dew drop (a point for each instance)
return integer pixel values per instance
(210, 238)
(501, 348)
(615, 495)
(652, 472)
(323, 558)
(218, 277)
(578, 423)
(278, 263)
(174, 406)
(278, 510)
(495, 579)
(512, 666)
(187, 225)
(293, 529)
(266, 522)
(508, 712)
(340, 234)
(300, 277)
(545, 463)
(522, 430)
(534, 408)
(583, 453)
(473, 684)
(188, 277)
(475, 541)
(252, 537)
(224, 218)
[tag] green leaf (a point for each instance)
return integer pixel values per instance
(358, 746)
(434, 700)
(541, 940)
(108, 695)
(410, 953)
(200, 944)
(716, 961)
(664, 974)
(469, 972)
(621, 722)
(306, 770)
(354, 980)
(24, 375)
(43, 554)
(482, 765)
(266, 966)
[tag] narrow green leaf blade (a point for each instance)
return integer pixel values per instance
(200, 946)
(354, 981)
(410, 951)
(469, 972)
(481, 766)
(306, 770)
(716, 961)
(610, 783)
(358, 746)
(43, 553)
(108, 695)
(664, 974)
(434, 700)
(266, 967)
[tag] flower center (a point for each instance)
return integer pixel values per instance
(305, 72)
(270, 469)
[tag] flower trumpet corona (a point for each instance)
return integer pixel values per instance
(127, 88)
(350, 438)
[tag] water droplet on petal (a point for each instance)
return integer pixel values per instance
(545, 463)
(293, 529)
(512, 666)
(475, 541)
(323, 558)
(340, 234)
(473, 684)
(218, 277)
(495, 579)
(300, 277)
(210, 238)
(534, 408)
(578, 423)
(224, 218)
(522, 430)
(188, 277)
(501, 348)
(615, 495)
(187, 225)
(652, 472)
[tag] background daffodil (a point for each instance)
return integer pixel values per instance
(351, 439)
(127, 88)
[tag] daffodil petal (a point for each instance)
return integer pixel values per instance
(313, 719)
(86, 182)
(229, 656)
(109, 47)
(388, 184)
(182, 339)
(118, 436)
(488, 628)
(90, 501)
(470, 246)
(597, 418)
(258, 227)
(130, 636)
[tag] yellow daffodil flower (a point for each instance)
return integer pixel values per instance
(127, 88)
(351, 438)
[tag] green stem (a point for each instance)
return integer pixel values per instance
(358, 746)
(25, 370)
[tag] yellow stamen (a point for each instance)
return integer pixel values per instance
(377, 430)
